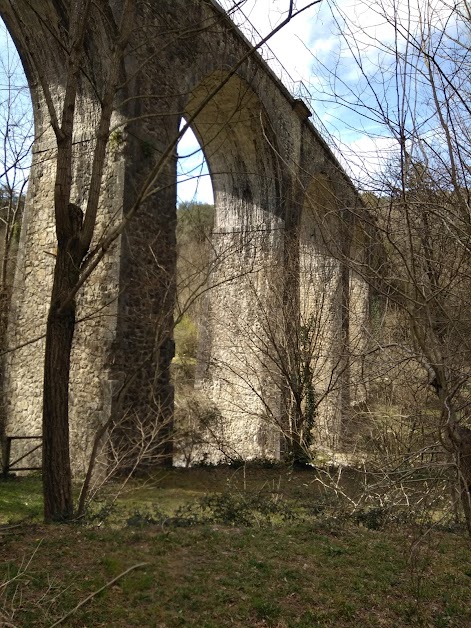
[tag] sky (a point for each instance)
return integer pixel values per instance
(15, 115)
(342, 57)
(316, 62)
(301, 54)
(288, 54)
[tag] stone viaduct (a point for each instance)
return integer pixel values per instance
(284, 222)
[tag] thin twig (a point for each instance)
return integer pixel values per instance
(95, 593)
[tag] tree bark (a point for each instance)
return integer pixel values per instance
(57, 476)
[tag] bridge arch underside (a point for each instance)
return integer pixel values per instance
(236, 371)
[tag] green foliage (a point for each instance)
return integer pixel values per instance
(194, 222)
(242, 509)
(99, 510)
(286, 575)
(377, 303)
(268, 543)
(20, 497)
(231, 509)
(150, 516)
(194, 227)
(186, 338)
(304, 416)
(16, 231)
(116, 140)
(371, 518)
(266, 609)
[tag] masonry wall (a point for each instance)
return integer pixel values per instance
(96, 312)
(263, 155)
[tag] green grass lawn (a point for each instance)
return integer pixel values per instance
(20, 498)
(227, 548)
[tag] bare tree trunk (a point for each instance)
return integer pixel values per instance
(57, 477)
(466, 502)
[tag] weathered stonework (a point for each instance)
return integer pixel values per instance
(269, 169)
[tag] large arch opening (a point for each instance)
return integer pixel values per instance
(16, 120)
(195, 218)
(194, 183)
(16, 139)
(237, 391)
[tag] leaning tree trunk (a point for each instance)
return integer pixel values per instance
(57, 477)
(460, 437)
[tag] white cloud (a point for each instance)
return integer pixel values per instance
(257, 18)
(366, 156)
(309, 51)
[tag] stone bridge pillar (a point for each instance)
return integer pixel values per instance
(123, 341)
(241, 315)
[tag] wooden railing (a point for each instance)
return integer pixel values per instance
(7, 466)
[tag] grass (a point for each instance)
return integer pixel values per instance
(320, 569)
(20, 498)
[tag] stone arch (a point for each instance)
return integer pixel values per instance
(247, 245)
(234, 131)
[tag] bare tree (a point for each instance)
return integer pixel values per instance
(411, 88)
